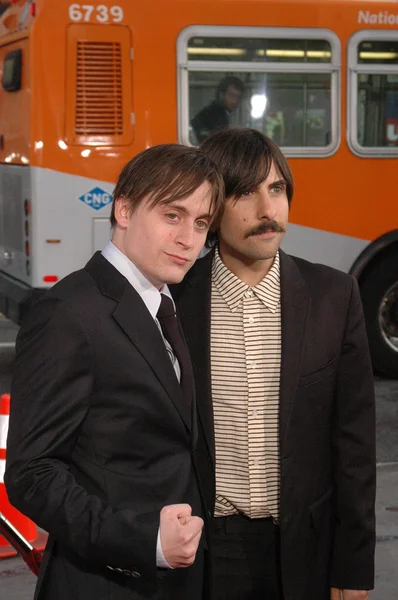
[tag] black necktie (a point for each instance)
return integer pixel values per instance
(171, 331)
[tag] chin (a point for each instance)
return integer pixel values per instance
(175, 277)
(174, 280)
(261, 255)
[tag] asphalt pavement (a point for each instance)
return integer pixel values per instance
(386, 584)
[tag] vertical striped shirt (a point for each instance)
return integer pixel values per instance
(245, 372)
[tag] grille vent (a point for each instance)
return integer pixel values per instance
(99, 97)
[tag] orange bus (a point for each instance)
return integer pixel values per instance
(85, 86)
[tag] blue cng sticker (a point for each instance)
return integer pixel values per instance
(96, 198)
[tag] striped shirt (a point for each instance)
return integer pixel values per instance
(245, 372)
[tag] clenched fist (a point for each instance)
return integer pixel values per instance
(179, 534)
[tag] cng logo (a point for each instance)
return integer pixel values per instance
(96, 198)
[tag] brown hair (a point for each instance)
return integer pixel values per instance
(244, 158)
(166, 173)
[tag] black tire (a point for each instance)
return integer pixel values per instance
(382, 277)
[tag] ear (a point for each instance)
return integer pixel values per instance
(122, 211)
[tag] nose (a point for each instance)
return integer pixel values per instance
(185, 235)
(266, 206)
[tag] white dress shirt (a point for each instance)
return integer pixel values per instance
(151, 298)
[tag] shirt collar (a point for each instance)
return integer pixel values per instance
(232, 289)
(148, 292)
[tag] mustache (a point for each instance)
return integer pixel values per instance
(265, 228)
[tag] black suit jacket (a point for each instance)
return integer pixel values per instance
(327, 424)
(211, 118)
(100, 439)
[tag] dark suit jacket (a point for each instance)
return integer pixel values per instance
(100, 440)
(211, 118)
(327, 424)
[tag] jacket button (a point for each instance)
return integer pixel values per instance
(135, 574)
(286, 519)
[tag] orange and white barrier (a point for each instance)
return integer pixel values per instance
(4, 418)
(24, 525)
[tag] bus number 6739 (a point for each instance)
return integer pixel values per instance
(95, 13)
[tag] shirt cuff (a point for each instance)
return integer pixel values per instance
(161, 562)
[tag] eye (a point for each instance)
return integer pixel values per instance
(202, 224)
(279, 189)
(246, 194)
(172, 216)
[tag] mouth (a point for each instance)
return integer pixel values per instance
(266, 234)
(179, 260)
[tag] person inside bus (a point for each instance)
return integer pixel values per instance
(216, 115)
(102, 431)
(285, 395)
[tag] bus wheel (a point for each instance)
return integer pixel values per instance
(379, 292)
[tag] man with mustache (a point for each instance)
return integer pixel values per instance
(285, 393)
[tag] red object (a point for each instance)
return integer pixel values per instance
(30, 555)
(33, 560)
(392, 131)
(24, 526)
(33, 9)
(50, 278)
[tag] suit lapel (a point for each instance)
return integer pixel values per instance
(295, 303)
(193, 299)
(133, 317)
(135, 320)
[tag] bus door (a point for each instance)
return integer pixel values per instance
(14, 158)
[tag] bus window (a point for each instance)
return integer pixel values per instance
(373, 100)
(281, 82)
(12, 71)
(293, 109)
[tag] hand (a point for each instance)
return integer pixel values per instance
(179, 534)
(336, 594)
